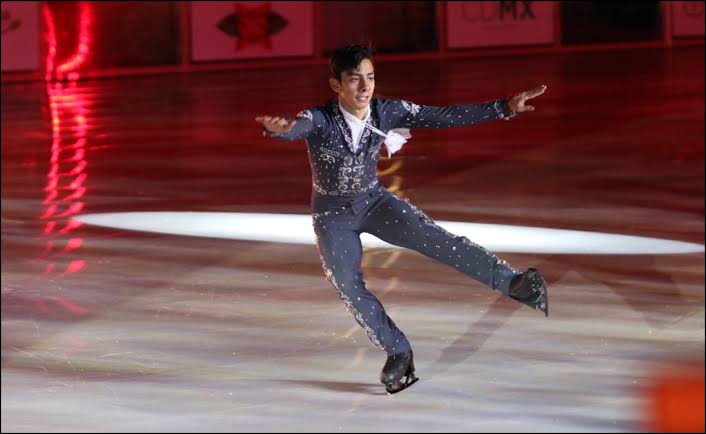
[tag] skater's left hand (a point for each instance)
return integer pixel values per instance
(517, 102)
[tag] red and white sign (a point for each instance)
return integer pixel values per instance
(20, 36)
(240, 30)
(493, 23)
(687, 18)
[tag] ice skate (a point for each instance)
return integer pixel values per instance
(397, 367)
(530, 288)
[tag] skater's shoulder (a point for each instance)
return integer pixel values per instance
(395, 106)
(384, 102)
(316, 113)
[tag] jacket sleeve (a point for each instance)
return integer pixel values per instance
(308, 123)
(422, 116)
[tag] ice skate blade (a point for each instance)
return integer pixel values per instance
(408, 383)
(546, 304)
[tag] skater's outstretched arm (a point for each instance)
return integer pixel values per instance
(303, 126)
(421, 116)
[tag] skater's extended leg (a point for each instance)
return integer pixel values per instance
(400, 223)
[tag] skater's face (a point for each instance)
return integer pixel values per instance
(355, 89)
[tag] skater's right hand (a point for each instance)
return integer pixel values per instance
(517, 102)
(276, 124)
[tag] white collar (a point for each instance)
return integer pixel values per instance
(394, 139)
(351, 118)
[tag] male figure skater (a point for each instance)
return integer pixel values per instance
(343, 139)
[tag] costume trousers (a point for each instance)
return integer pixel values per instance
(338, 222)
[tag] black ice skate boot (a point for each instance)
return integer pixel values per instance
(529, 288)
(398, 366)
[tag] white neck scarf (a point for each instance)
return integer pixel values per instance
(394, 139)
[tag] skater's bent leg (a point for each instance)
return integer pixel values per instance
(400, 223)
(341, 252)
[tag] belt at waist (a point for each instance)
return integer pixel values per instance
(356, 201)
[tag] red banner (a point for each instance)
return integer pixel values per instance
(687, 18)
(493, 23)
(239, 30)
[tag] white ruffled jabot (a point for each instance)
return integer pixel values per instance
(394, 139)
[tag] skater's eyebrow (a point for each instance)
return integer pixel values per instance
(360, 75)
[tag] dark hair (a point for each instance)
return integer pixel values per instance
(349, 58)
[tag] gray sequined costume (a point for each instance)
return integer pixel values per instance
(348, 200)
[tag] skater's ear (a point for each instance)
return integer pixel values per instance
(335, 85)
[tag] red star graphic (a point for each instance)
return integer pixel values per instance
(252, 25)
